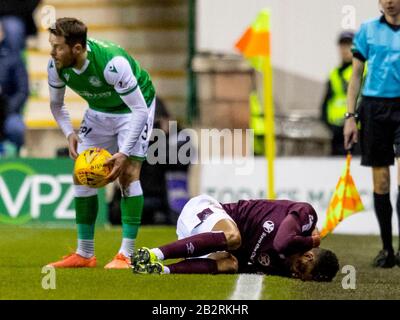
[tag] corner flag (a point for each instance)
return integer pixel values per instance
(255, 42)
(255, 46)
(344, 202)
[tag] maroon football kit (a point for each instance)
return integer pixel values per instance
(271, 230)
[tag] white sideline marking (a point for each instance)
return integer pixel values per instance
(248, 287)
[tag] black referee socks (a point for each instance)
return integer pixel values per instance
(383, 210)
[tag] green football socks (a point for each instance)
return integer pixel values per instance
(86, 212)
(131, 215)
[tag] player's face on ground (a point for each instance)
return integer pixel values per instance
(61, 52)
(390, 7)
(302, 266)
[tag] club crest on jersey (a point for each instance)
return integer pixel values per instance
(112, 69)
(308, 226)
(268, 226)
(264, 259)
(94, 81)
(66, 76)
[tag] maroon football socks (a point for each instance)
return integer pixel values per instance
(195, 265)
(195, 246)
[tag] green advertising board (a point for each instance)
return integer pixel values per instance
(39, 191)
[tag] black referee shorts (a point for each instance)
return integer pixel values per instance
(380, 131)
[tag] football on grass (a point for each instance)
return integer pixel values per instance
(90, 168)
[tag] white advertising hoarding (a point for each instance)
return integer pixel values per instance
(302, 179)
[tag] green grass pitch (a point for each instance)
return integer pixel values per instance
(24, 251)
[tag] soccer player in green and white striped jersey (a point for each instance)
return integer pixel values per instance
(121, 100)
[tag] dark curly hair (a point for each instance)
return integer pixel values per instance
(326, 265)
(73, 30)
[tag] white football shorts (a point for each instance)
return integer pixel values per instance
(200, 215)
(108, 131)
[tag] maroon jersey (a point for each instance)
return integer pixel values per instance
(270, 231)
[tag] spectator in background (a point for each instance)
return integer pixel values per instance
(18, 23)
(156, 208)
(334, 105)
(14, 89)
(2, 117)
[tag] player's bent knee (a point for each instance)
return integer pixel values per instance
(131, 190)
(233, 239)
(130, 173)
(127, 178)
(231, 232)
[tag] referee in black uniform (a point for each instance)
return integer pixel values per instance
(378, 43)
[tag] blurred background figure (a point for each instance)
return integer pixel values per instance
(2, 116)
(333, 106)
(153, 177)
(165, 186)
(14, 91)
(257, 123)
(18, 22)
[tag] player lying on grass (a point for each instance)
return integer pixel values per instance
(257, 236)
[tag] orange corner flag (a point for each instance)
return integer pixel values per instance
(344, 202)
(255, 42)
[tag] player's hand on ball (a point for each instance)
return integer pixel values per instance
(90, 169)
(117, 161)
(73, 140)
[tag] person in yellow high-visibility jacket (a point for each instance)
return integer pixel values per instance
(334, 105)
(257, 124)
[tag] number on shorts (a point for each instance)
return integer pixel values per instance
(145, 131)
